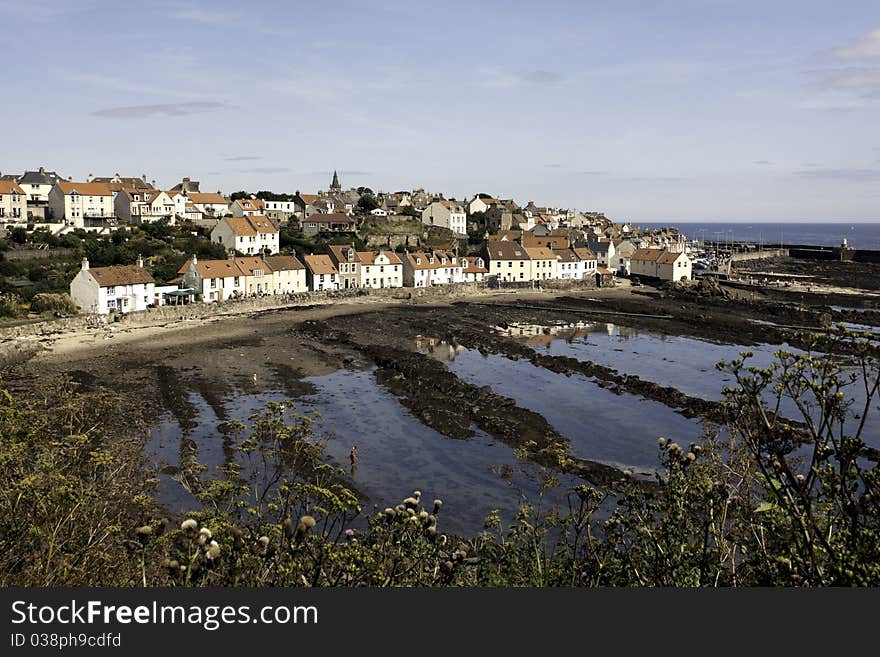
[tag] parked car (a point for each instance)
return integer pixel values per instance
(635, 281)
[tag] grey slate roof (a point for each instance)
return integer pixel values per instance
(40, 178)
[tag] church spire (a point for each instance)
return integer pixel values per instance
(335, 186)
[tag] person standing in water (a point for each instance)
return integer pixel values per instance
(353, 457)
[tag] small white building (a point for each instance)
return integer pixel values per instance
(144, 206)
(280, 210)
(568, 266)
(379, 212)
(213, 280)
(474, 269)
(421, 269)
(590, 262)
(288, 273)
(121, 288)
(660, 264)
(380, 269)
(37, 185)
(251, 235)
(247, 207)
(210, 205)
(13, 203)
(321, 273)
(482, 204)
(447, 214)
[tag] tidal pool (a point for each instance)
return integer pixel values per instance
(619, 429)
(397, 453)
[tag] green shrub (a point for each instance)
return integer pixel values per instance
(53, 302)
(10, 305)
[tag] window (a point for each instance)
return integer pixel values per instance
(111, 290)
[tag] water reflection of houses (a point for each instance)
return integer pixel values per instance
(437, 347)
(544, 335)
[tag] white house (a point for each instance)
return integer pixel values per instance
(251, 235)
(568, 266)
(473, 269)
(37, 185)
(13, 203)
(380, 269)
(447, 214)
(122, 288)
(288, 273)
(280, 210)
(321, 273)
(660, 264)
(143, 206)
(247, 207)
(589, 261)
(421, 269)
(210, 205)
(379, 212)
(482, 204)
(80, 204)
(213, 280)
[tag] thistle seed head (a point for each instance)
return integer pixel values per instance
(212, 551)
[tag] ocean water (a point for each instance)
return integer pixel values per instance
(857, 235)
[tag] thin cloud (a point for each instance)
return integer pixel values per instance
(866, 46)
(243, 158)
(591, 173)
(552, 166)
(266, 170)
(765, 163)
(850, 174)
(167, 110)
(650, 179)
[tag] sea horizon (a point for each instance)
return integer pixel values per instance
(859, 235)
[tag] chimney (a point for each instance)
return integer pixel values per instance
(85, 264)
(186, 180)
(144, 177)
(153, 183)
(140, 261)
(90, 178)
(42, 170)
(194, 259)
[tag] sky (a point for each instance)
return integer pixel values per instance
(676, 110)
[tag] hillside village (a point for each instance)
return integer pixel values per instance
(121, 244)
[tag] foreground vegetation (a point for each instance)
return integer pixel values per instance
(785, 493)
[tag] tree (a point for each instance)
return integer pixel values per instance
(239, 195)
(18, 235)
(409, 211)
(367, 203)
